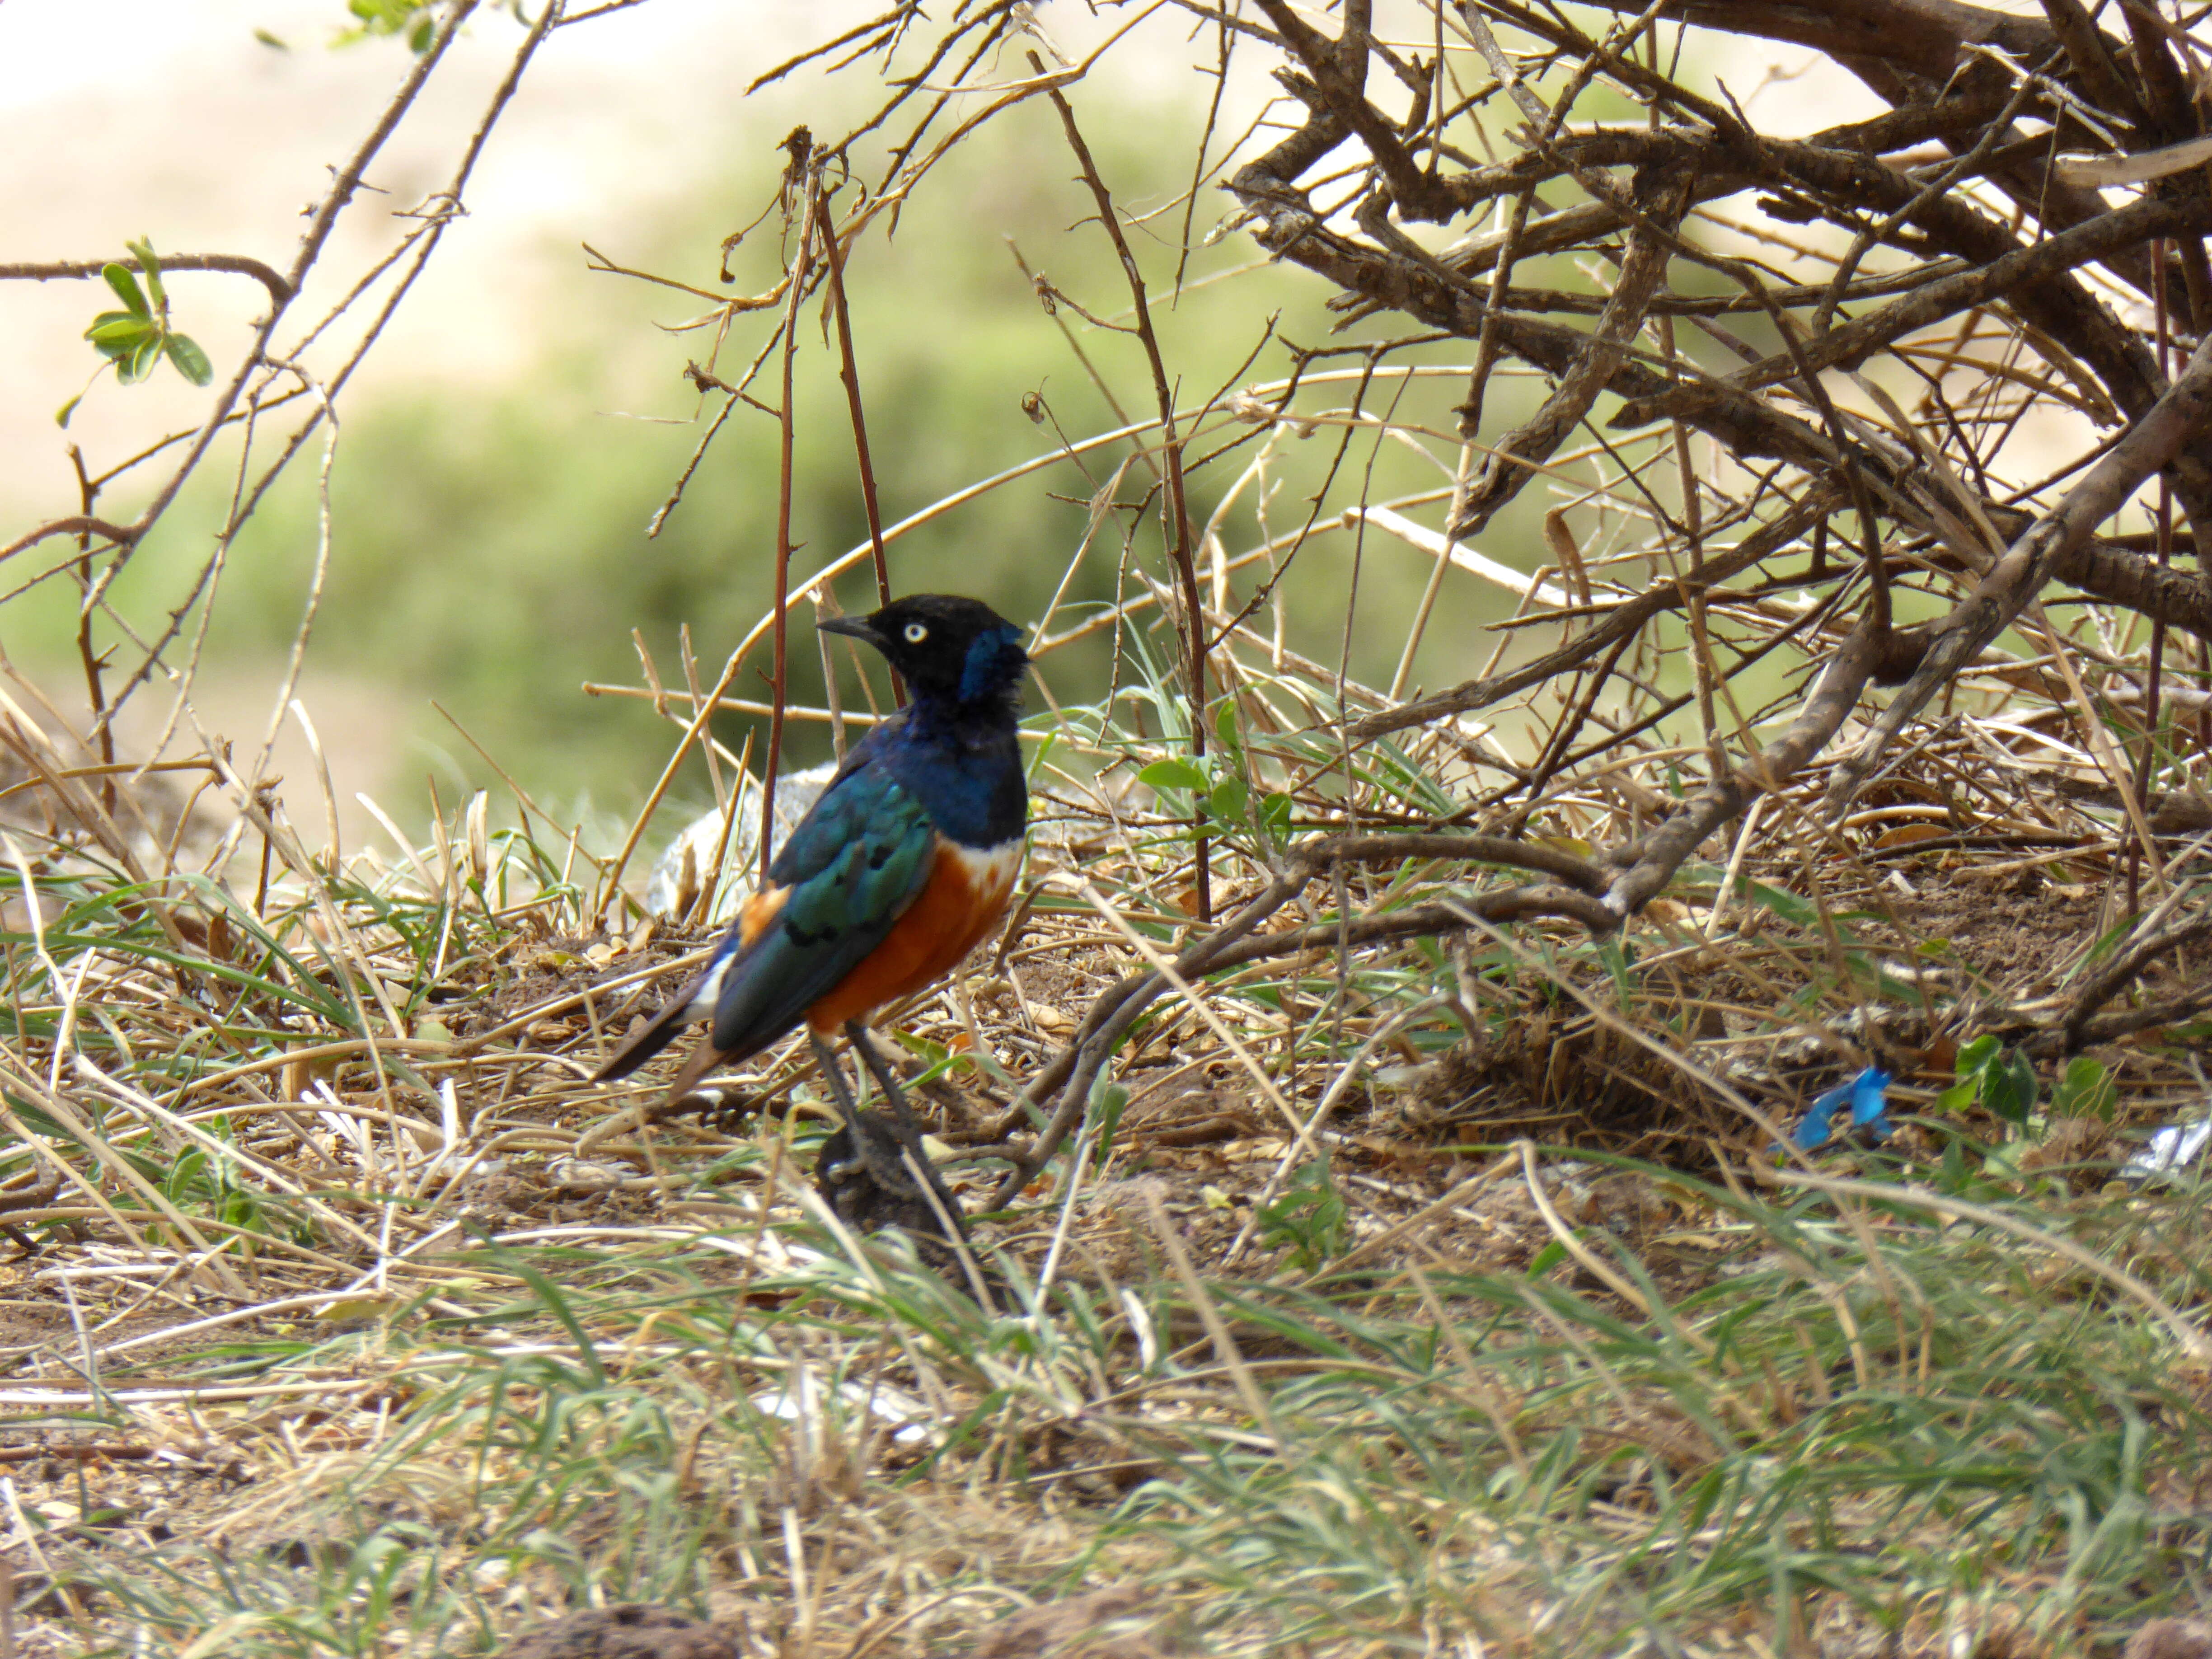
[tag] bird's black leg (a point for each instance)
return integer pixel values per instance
(864, 1172)
(834, 1075)
(909, 1133)
(879, 1068)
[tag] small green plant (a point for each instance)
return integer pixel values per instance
(136, 338)
(1308, 1216)
(2085, 1091)
(416, 19)
(1188, 786)
(2001, 1079)
(2005, 1081)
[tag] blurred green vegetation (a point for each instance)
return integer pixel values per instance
(489, 544)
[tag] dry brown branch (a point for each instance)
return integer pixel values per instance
(2108, 982)
(2015, 580)
(1076, 1067)
(280, 288)
(1642, 268)
(1851, 344)
(1621, 623)
(1180, 555)
(1924, 36)
(1652, 862)
(1954, 256)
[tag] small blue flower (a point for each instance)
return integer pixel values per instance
(1868, 1101)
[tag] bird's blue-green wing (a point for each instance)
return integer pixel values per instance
(846, 875)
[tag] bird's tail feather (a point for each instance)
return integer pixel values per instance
(701, 1060)
(648, 1043)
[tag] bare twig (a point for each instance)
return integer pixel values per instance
(1181, 554)
(2034, 558)
(801, 175)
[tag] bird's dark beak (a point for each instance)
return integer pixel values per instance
(858, 627)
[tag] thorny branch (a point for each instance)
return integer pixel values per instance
(1179, 554)
(280, 288)
(1988, 245)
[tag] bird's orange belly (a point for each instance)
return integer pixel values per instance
(967, 894)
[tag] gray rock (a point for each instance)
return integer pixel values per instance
(683, 869)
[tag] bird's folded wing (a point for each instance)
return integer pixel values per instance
(845, 877)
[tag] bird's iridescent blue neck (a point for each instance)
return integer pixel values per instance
(993, 665)
(959, 754)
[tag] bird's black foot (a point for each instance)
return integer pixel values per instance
(903, 1124)
(874, 1171)
(862, 1176)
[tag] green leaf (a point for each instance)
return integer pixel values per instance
(1959, 1095)
(419, 41)
(1107, 1104)
(1308, 1216)
(271, 41)
(62, 415)
(386, 16)
(126, 285)
(1788, 906)
(1976, 1055)
(1224, 726)
(1172, 775)
(2009, 1087)
(1951, 1172)
(192, 362)
(2085, 1091)
(144, 247)
(1228, 800)
(139, 363)
(113, 330)
(1275, 816)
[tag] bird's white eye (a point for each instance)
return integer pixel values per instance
(915, 633)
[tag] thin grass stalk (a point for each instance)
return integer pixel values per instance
(1181, 557)
(848, 371)
(803, 169)
(2163, 523)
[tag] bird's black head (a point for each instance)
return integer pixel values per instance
(950, 649)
